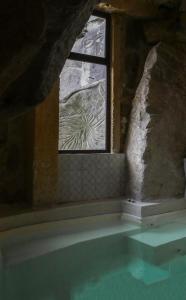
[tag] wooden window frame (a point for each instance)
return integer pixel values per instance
(101, 61)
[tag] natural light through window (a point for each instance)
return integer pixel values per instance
(84, 97)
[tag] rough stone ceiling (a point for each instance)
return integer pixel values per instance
(141, 8)
(36, 39)
(38, 35)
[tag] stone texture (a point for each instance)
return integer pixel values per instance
(33, 53)
(142, 8)
(172, 29)
(12, 158)
(31, 58)
(28, 155)
(157, 135)
(21, 37)
(129, 45)
(36, 39)
(131, 7)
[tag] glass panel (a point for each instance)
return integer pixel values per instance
(92, 39)
(82, 106)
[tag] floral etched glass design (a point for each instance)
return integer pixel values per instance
(82, 106)
(92, 39)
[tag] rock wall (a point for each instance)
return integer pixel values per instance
(12, 158)
(33, 52)
(36, 39)
(157, 135)
(142, 8)
(129, 52)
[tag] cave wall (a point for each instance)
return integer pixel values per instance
(31, 58)
(157, 135)
(129, 52)
(12, 157)
(45, 176)
(33, 53)
(156, 138)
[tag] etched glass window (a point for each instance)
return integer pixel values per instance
(92, 39)
(83, 100)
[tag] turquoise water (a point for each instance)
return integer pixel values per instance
(119, 267)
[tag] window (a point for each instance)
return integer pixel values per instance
(84, 102)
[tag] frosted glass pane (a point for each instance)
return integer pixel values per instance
(82, 106)
(92, 39)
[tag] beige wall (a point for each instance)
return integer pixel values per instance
(45, 159)
(41, 146)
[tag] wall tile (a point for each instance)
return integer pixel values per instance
(89, 185)
(85, 177)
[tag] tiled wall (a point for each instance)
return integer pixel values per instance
(85, 177)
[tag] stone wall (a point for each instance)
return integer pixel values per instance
(157, 136)
(37, 37)
(12, 158)
(32, 56)
(129, 51)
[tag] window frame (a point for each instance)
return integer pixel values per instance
(106, 61)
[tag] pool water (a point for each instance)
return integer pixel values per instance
(134, 266)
